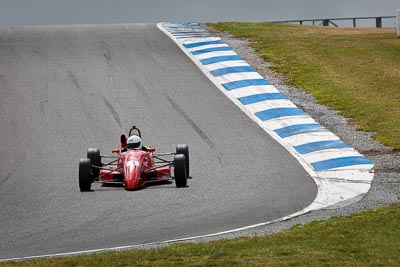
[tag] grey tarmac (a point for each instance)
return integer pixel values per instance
(66, 88)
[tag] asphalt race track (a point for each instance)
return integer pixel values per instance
(66, 88)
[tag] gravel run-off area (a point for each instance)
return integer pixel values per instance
(385, 189)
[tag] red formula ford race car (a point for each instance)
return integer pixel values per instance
(133, 165)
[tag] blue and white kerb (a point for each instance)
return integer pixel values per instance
(342, 174)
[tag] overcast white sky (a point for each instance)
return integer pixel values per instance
(57, 12)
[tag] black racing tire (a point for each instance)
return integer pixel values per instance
(84, 175)
(94, 155)
(180, 170)
(184, 149)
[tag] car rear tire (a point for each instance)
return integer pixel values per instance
(184, 149)
(94, 155)
(84, 175)
(180, 170)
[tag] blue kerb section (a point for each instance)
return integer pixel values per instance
(318, 146)
(274, 113)
(299, 129)
(212, 60)
(229, 70)
(251, 99)
(193, 45)
(244, 83)
(214, 49)
(340, 162)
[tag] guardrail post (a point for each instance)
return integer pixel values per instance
(354, 23)
(379, 22)
(398, 23)
(325, 22)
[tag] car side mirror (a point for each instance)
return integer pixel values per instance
(151, 149)
(115, 151)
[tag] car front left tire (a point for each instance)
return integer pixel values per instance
(84, 175)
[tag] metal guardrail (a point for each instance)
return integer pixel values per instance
(327, 22)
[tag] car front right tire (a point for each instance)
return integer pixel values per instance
(180, 173)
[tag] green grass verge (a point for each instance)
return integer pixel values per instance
(354, 71)
(370, 238)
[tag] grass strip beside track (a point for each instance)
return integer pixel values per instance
(354, 71)
(370, 238)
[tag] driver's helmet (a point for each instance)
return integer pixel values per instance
(134, 142)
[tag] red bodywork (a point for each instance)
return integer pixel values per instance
(135, 169)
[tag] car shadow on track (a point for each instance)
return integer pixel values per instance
(159, 185)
